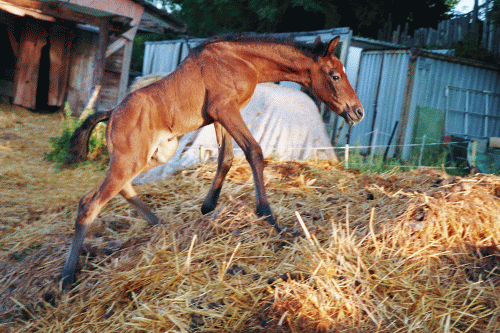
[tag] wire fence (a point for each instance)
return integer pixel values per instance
(355, 156)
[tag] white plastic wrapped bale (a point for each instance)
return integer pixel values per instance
(285, 122)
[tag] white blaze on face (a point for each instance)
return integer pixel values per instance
(343, 67)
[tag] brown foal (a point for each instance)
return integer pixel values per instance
(212, 85)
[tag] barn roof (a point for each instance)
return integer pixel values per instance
(152, 14)
(121, 12)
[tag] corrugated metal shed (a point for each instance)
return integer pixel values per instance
(393, 85)
(164, 56)
(380, 88)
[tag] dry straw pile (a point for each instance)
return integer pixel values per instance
(410, 252)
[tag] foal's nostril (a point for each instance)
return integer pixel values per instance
(358, 111)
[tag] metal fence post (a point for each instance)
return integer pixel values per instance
(421, 151)
(374, 144)
(346, 156)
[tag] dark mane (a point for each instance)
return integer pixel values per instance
(311, 50)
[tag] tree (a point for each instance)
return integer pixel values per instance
(494, 12)
(210, 17)
(366, 17)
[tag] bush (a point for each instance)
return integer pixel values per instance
(469, 48)
(59, 145)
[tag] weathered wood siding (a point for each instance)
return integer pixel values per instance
(81, 69)
(60, 39)
(64, 49)
(448, 32)
(33, 39)
(81, 72)
(111, 80)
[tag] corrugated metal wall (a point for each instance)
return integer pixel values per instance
(380, 88)
(432, 77)
(390, 84)
(384, 102)
(164, 56)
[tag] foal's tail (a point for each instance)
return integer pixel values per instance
(78, 144)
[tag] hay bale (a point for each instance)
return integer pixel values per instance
(146, 80)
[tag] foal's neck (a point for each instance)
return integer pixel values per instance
(278, 62)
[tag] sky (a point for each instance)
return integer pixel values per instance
(465, 6)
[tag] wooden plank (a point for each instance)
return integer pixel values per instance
(432, 37)
(100, 57)
(81, 70)
(115, 46)
(122, 89)
(126, 8)
(128, 35)
(405, 108)
(61, 39)
(114, 63)
(47, 11)
(109, 92)
(33, 39)
(13, 41)
(19, 11)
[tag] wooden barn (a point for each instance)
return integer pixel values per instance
(63, 50)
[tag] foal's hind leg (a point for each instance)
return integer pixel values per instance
(122, 170)
(225, 160)
(130, 195)
(88, 209)
(120, 173)
(163, 153)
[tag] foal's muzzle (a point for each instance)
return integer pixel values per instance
(353, 115)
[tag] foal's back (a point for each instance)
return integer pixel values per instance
(175, 103)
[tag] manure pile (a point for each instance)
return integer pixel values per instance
(409, 252)
(415, 252)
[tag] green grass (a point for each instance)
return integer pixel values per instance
(433, 156)
(59, 145)
(436, 159)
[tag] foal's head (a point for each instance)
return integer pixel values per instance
(330, 84)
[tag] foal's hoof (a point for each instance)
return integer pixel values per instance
(67, 280)
(207, 208)
(271, 221)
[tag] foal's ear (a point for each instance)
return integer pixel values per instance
(330, 50)
(317, 41)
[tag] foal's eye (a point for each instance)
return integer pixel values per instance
(335, 76)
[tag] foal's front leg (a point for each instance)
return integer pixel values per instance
(236, 127)
(224, 162)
